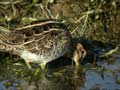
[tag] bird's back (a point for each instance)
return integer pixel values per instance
(47, 40)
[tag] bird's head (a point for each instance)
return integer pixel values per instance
(79, 54)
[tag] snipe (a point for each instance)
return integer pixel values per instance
(40, 42)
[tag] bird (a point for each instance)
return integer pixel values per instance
(41, 42)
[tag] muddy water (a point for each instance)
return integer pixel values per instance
(16, 76)
(109, 80)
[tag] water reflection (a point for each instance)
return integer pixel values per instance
(111, 75)
(62, 80)
(62, 77)
(20, 78)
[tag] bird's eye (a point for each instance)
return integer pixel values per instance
(82, 52)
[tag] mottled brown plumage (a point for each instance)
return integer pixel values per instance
(40, 42)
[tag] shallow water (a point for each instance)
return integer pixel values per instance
(18, 77)
(109, 80)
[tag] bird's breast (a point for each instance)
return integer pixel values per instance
(30, 57)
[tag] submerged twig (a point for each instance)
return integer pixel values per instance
(110, 52)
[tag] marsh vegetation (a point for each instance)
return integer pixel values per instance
(95, 22)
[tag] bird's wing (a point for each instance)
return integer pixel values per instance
(11, 38)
